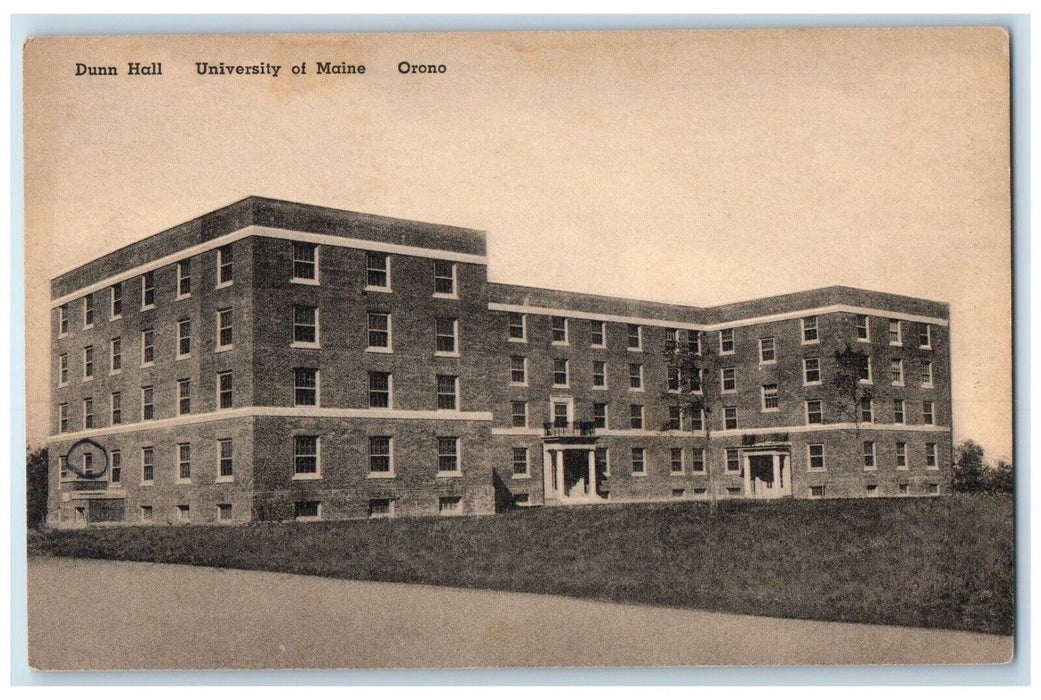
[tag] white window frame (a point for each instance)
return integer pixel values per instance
(737, 423)
(145, 306)
(113, 355)
(63, 369)
(225, 478)
(386, 270)
(607, 408)
(182, 267)
(821, 411)
(231, 326)
(809, 457)
(308, 476)
(606, 451)
(870, 409)
(899, 332)
(928, 337)
(231, 512)
(182, 336)
(902, 413)
(553, 330)
(181, 462)
(806, 381)
(144, 404)
(390, 392)
(145, 345)
(147, 450)
(723, 334)
(642, 451)
(184, 393)
(220, 375)
(89, 360)
(603, 375)
(723, 382)
(896, 367)
(642, 416)
(639, 337)
(934, 457)
(866, 326)
(455, 338)
(815, 329)
(455, 392)
(776, 396)
(513, 415)
(870, 379)
(317, 342)
(524, 364)
(523, 327)
(672, 461)
(369, 347)
(115, 472)
(88, 413)
(603, 333)
(391, 467)
(763, 350)
(88, 311)
(900, 453)
(63, 320)
(113, 298)
(454, 294)
(311, 281)
(694, 461)
(458, 471)
(638, 376)
(526, 474)
(317, 387)
(222, 264)
(726, 460)
(926, 375)
(115, 403)
(864, 454)
(929, 418)
(63, 417)
(567, 373)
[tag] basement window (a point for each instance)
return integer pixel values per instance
(381, 508)
(450, 505)
(816, 492)
(307, 510)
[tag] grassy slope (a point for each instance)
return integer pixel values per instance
(942, 562)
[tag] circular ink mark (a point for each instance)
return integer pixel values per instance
(86, 472)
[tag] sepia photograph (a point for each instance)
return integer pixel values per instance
(529, 349)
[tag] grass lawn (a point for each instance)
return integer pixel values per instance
(927, 562)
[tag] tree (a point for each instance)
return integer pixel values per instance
(852, 390)
(1000, 478)
(968, 474)
(36, 465)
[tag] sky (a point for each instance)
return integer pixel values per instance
(696, 167)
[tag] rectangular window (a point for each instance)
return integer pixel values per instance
(600, 416)
(447, 330)
(896, 371)
(518, 326)
(116, 467)
(225, 266)
(147, 347)
(560, 373)
(63, 418)
(730, 418)
(224, 512)
(895, 332)
(561, 413)
(88, 413)
(116, 403)
(379, 389)
(305, 325)
(635, 375)
(225, 386)
(673, 380)
(447, 392)
(307, 510)
(520, 461)
(696, 381)
(925, 337)
(676, 460)
(770, 399)
(449, 505)
(599, 374)
(603, 461)
(809, 330)
(902, 489)
(728, 379)
(380, 455)
(518, 370)
(767, 352)
(444, 278)
(305, 386)
(817, 491)
(184, 338)
(814, 412)
(869, 454)
(226, 455)
(377, 270)
(519, 414)
(117, 300)
(901, 455)
(636, 416)
(381, 508)
(63, 369)
(675, 418)
(558, 326)
(598, 336)
(147, 465)
(116, 354)
(184, 397)
(697, 419)
(146, 514)
(305, 261)
(148, 290)
(927, 413)
(224, 330)
(305, 455)
(697, 462)
(634, 337)
(898, 410)
(872, 490)
(88, 311)
(184, 279)
(694, 342)
(815, 454)
(184, 462)
(863, 328)
(639, 466)
(811, 370)
(927, 375)
(447, 455)
(63, 319)
(379, 330)
(864, 369)
(726, 341)
(147, 403)
(867, 411)
(88, 362)
(733, 461)
(671, 338)
(930, 455)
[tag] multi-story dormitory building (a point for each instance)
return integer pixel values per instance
(272, 361)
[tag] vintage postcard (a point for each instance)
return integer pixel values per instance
(519, 349)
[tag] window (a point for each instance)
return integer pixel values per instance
(694, 342)
(146, 514)
(225, 266)
(675, 418)
(225, 386)
(560, 373)
(636, 416)
(635, 376)
(767, 353)
(898, 410)
(815, 454)
(307, 510)
(697, 419)
(895, 332)
(733, 461)
(927, 375)
(88, 311)
(447, 392)
(148, 290)
(88, 413)
(379, 330)
(863, 328)
(518, 326)
(379, 389)
(116, 355)
(933, 488)
(561, 413)
(603, 461)
(867, 410)
(377, 271)
(449, 505)
(600, 416)
(380, 455)
(671, 338)
(673, 379)
(184, 338)
(598, 336)
(697, 462)
(116, 468)
(224, 512)
(184, 279)
(814, 412)
(446, 330)
(183, 513)
(519, 414)
(809, 330)
(726, 341)
(730, 418)
(184, 397)
(520, 461)
(447, 455)
(305, 325)
(224, 330)
(896, 371)
(639, 466)
(817, 491)
(88, 464)
(147, 403)
(88, 362)
(930, 455)
(117, 300)
(811, 370)
(728, 379)
(925, 336)
(770, 399)
(558, 328)
(63, 319)
(305, 262)
(147, 465)
(927, 413)
(63, 418)
(676, 460)
(518, 370)
(634, 337)
(305, 455)
(225, 456)
(184, 462)
(696, 381)
(63, 369)
(865, 370)
(147, 347)
(869, 454)
(872, 490)
(305, 386)
(902, 489)
(116, 403)
(444, 278)
(901, 455)
(381, 508)
(599, 374)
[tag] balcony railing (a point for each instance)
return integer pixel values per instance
(562, 428)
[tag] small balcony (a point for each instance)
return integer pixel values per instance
(572, 429)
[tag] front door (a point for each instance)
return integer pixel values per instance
(761, 468)
(576, 471)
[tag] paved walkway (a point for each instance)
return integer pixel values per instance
(119, 615)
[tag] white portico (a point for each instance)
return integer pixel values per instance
(767, 472)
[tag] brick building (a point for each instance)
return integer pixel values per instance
(274, 361)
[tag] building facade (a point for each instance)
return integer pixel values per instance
(277, 361)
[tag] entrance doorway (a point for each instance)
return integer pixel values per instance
(576, 474)
(767, 474)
